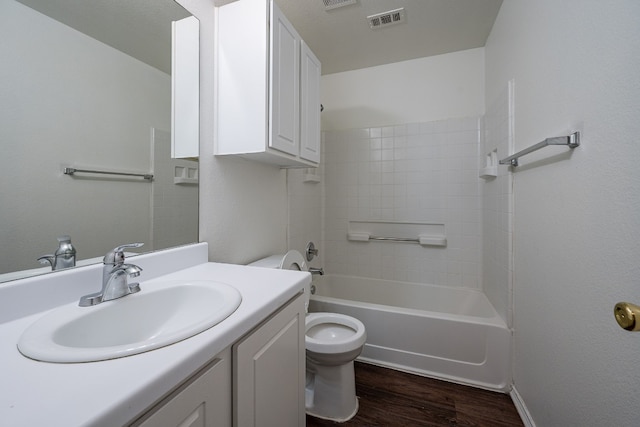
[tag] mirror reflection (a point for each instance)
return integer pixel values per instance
(87, 85)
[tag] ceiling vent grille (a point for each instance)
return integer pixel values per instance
(385, 19)
(332, 4)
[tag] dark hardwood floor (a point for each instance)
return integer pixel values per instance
(392, 398)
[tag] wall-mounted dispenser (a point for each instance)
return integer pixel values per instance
(490, 169)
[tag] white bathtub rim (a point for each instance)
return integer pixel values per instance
(444, 288)
(479, 293)
(329, 276)
(495, 320)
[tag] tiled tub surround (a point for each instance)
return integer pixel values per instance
(423, 172)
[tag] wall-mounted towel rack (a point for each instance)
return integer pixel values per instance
(71, 171)
(572, 141)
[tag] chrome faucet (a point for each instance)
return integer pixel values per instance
(314, 270)
(64, 257)
(114, 277)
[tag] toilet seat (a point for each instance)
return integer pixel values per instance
(332, 342)
(337, 344)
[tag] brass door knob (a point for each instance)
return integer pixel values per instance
(627, 315)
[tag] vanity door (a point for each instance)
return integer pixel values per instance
(269, 370)
(203, 401)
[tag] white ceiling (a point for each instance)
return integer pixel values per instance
(342, 39)
(139, 28)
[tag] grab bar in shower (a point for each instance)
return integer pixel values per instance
(72, 171)
(422, 239)
(572, 141)
(395, 239)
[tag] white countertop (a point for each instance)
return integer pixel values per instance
(113, 392)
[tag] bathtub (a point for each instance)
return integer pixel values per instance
(447, 333)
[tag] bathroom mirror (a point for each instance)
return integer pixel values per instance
(87, 85)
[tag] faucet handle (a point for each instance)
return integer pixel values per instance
(116, 255)
(46, 259)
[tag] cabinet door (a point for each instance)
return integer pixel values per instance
(310, 72)
(269, 372)
(284, 88)
(203, 402)
(185, 88)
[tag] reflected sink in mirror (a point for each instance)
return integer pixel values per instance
(161, 314)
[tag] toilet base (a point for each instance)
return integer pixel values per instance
(355, 411)
(331, 392)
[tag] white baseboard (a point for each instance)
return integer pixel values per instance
(521, 408)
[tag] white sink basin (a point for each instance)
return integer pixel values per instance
(159, 315)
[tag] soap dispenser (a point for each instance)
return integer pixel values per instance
(64, 257)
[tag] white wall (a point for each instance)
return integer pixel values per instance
(419, 90)
(305, 209)
(243, 204)
(174, 206)
(77, 121)
(497, 205)
(577, 230)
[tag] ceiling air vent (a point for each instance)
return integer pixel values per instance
(332, 4)
(385, 19)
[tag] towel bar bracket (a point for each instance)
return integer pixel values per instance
(572, 141)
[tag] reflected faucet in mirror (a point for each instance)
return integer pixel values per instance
(64, 256)
(114, 277)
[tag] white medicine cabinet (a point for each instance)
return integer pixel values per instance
(268, 87)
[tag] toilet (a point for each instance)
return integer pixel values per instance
(332, 343)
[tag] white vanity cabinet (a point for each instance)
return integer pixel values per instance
(202, 401)
(269, 371)
(259, 381)
(268, 87)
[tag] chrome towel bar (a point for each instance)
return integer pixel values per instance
(71, 171)
(395, 239)
(572, 141)
(423, 239)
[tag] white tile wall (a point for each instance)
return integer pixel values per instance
(408, 172)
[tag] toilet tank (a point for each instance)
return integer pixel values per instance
(292, 260)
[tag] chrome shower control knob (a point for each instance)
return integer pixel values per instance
(311, 251)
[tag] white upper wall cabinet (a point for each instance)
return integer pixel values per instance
(185, 88)
(285, 83)
(262, 96)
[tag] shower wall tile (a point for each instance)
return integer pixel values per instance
(425, 172)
